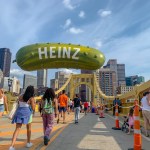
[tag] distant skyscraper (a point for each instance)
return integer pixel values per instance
(121, 74)
(141, 79)
(119, 69)
(1, 79)
(133, 80)
(108, 81)
(29, 80)
(42, 78)
(60, 79)
(54, 84)
(85, 91)
(5, 61)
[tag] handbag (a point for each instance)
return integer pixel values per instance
(13, 110)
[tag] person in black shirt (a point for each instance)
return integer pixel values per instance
(114, 104)
(77, 102)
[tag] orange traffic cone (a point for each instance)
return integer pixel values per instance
(116, 119)
(137, 131)
(101, 113)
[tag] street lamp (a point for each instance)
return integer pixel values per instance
(10, 83)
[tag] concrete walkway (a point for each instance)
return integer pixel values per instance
(93, 133)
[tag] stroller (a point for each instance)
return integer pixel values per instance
(125, 126)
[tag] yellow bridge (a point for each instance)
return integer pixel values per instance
(90, 80)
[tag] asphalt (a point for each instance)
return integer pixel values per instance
(94, 133)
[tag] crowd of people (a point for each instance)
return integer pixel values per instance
(52, 106)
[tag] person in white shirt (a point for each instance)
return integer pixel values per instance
(146, 111)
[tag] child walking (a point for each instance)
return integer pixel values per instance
(130, 119)
(49, 105)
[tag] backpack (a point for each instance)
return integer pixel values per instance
(48, 107)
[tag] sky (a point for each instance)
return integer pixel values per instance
(118, 28)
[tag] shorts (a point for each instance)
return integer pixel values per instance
(85, 108)
(1, 108)
(62, 109)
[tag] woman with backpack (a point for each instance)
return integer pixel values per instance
(49, 106)
(23, 115)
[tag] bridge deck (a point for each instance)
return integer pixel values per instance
(91, 133)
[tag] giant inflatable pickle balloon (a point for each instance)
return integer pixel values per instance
(58, 55)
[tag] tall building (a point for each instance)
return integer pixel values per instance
(42, 78)
(119, 69)
(5, 61)
(124, 89)
(85, 91)
(60, 79)
(54, 84)
(29, 80)
(133, 80)
(121, 74)
(141, 79)
(1, 78)
(108, 81)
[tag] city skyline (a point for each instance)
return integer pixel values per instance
(119, 29)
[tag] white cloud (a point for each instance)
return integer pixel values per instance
(67, 23)
(74, 30)
(98, 43)
(68, 4)
(69, 71)
(82, 14)
(19, 73)
(104, 13)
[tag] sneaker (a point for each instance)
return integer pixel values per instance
(46, 140)
(57, 121)
(11, 148)
(147, 135)
(29, 145)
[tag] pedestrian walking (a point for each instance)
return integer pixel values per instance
(85, 107)
(77, 102)
(114, 104)
(23, 115)
(3, 103)
(63, 100)
(146, 111)
(89, 106)
(49, 106)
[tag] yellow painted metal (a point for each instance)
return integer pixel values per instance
(90, 80)
(86, 79)
(64, 86)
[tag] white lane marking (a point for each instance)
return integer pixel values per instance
(97, 131)
(98, 142)
(100, 125)
(98, 119)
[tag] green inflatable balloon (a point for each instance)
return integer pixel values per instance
(57, 55)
